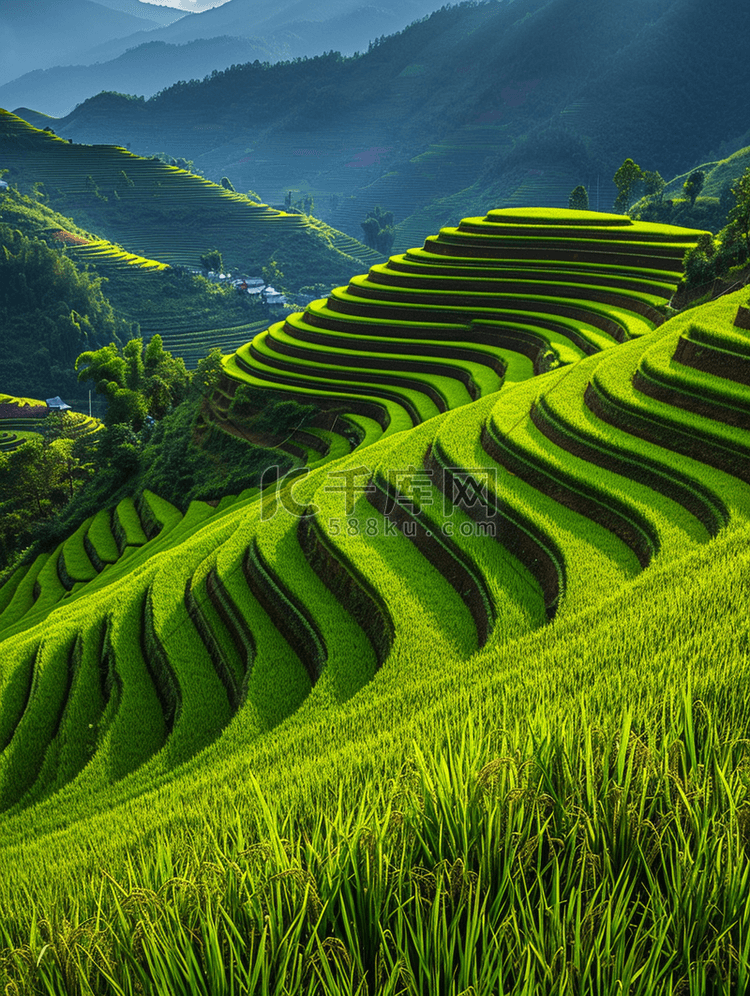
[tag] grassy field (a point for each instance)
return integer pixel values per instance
(460, 709)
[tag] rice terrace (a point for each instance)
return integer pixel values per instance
(372, 623)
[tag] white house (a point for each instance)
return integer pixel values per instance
(57, 404)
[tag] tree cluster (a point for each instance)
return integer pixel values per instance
(378, 230)
(49, 312)
(37, 481)
(714, 256)
(138, 381)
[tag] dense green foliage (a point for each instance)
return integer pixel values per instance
(378, 229)
(39, 478)
(212, 260)
(49, 311)
(137, 380)
(715, 256)
(180, 470)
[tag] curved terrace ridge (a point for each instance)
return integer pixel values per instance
(518, 498)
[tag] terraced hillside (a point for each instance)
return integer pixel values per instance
(531, 542)
(162, 213)
(497, 298)
(21, 416)
(473, 532)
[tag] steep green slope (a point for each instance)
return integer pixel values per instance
(66, 290)
(402, 535)
(191, 314)
(436, 328)
(557, 559)
(167, 214)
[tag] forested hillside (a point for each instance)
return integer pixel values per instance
(233, 32)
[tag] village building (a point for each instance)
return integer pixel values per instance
(57, 404)
(273, 297)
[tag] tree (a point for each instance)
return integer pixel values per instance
(378, 229)
(626, 179)
(133, 355)
(272, 274)
(165, 380)
(700, 262)
(136, 382)
(579, 199)
(207, 374)
(126, 407)
(654, 184)
(105, 366)
(212, 260)
(739, 215)
(693, 185)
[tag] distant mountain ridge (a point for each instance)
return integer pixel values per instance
(150, 67)
(476, 102)
(237, 31)
(39, 35)
(159, 13)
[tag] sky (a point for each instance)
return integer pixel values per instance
(194, 5)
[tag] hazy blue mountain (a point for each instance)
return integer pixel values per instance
(259, 29)
(142, 71)
(257, 18)
(47, 33)
(517, 103)
(161, 14)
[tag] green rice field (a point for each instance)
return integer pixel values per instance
(149, 213)
(459, 707)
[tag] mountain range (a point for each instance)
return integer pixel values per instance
(44, 34)
(512, 103)
(141, 56)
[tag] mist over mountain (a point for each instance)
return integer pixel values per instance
(146, 69)
(258, 18)
(238, 31)
(161, 14)
(514, 102)
(46, 33)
